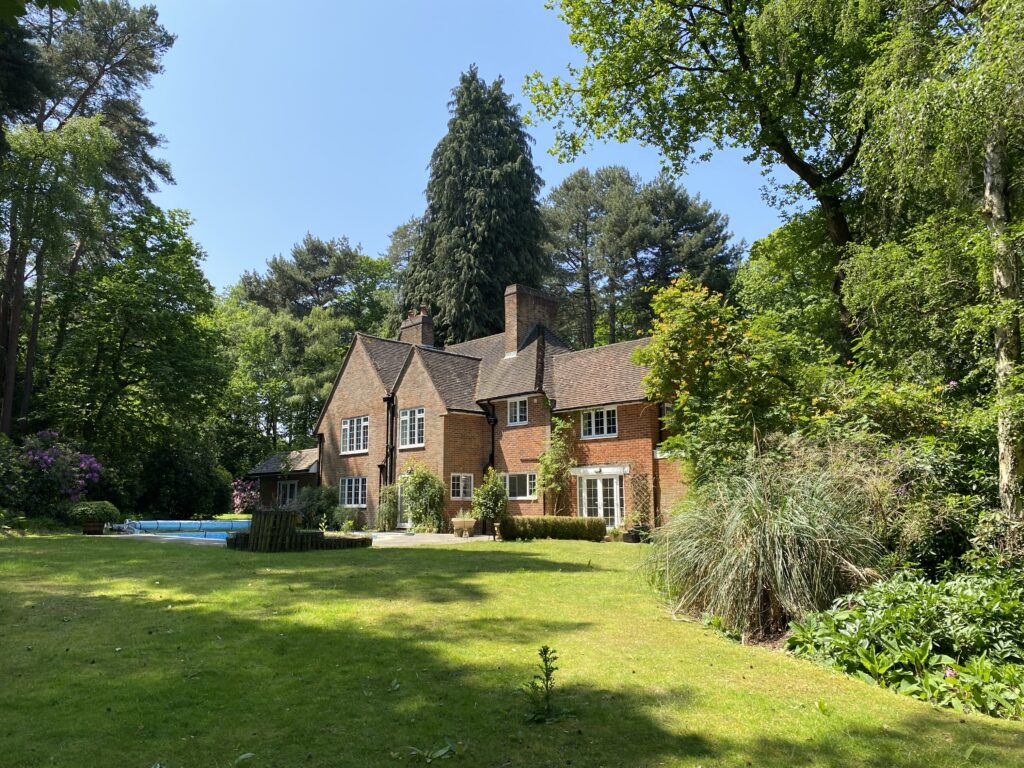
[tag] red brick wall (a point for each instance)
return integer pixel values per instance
(634, 446)
(359, 393)
(672, 485)
(517, 448)
(414, 390)
(467, 444)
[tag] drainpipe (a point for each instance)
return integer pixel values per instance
(319, 459)
(389, 449)
(492, 419)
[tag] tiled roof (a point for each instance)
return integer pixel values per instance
(502, 376)
(598, 376)
(454, 376)
(292, 461)
(388, 357)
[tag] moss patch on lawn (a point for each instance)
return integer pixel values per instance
(133, 653)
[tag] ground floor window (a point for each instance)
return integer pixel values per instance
(462, 486)
(602, 496)
(352, 492)
(287, 492)
(522, 485)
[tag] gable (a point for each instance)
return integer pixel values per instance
(359, 375)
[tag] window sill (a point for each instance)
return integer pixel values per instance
(522, 498)
(354, 453)
(411, 447)
(352, 506)
(518, 424)
(600, 437)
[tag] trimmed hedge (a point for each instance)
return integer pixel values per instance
(94, 512)
(522, 528)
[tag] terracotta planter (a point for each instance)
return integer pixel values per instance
(463, 528)
(92, 528)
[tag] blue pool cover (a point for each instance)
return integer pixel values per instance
(197, 528)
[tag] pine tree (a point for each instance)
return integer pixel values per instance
(482, 229)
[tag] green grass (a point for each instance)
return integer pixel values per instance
(129, 653)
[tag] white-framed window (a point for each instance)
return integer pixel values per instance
(600, 422)
(602, 497)
(518, 411)
(521, 485)
(410, 428)
(462, 486)
(287, 492)
(352, 491)
(355, 434)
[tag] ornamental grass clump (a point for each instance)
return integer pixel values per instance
(782, 535)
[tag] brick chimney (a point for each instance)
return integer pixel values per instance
(418, 329)
(524, 309)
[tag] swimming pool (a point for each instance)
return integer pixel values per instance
(187, 529)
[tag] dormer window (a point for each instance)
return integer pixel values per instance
(518, 412)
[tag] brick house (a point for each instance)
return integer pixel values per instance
(490, 401)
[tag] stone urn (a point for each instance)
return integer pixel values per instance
(463, 528)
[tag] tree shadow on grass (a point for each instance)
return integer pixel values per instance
(130, 682)
(970, 740)
(171, 674)
(432, 574)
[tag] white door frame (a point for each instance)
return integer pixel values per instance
(602, 484)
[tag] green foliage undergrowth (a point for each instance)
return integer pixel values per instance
(957, 643)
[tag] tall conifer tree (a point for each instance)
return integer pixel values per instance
(482, 229)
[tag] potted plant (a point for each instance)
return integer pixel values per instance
(93, 516)
(463, 524)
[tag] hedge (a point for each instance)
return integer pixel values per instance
(94, 512)
(549, 527)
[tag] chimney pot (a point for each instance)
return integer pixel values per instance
(423, 309)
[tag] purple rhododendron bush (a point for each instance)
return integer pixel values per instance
(45, 476)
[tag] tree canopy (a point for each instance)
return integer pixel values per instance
(482, 228)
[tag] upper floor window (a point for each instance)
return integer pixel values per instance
(462, 486)
(410, 428)
(352, 491)
(355, 434)
(518, 411)
(521, 486)
(601, 422)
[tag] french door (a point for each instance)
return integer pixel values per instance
(602, 497)
(403, 518)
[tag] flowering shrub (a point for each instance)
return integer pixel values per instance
(56, 476)
(245, 496)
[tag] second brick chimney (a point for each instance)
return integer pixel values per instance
(525, 308)
(418, 329)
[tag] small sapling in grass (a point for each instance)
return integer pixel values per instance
(540, 690)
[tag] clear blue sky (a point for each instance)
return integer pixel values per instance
(321, 117)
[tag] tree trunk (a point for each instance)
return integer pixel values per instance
(33, 343)
(1006, 267)
(10, 362)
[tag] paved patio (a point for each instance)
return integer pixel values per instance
(402, 539)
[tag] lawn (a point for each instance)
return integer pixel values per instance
(129, 653)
